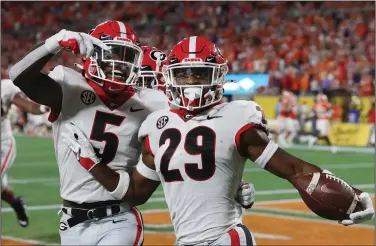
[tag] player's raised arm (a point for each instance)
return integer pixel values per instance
(40, 87)
(255, 144)
(27, 75)
(135, 188)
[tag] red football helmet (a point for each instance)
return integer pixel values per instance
(117, 68)
(150, 75)
(194, 74)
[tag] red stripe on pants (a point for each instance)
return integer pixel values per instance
(139, 226)
(5, 163)
(234, 236)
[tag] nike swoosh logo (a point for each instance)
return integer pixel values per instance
(110, 89)
(117, 221)
(135, 110)
(144, 67)
(213, 117)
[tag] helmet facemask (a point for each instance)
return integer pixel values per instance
(149, 79)
(117, 67)
(194, 86)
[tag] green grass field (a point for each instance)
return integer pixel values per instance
(34, 175)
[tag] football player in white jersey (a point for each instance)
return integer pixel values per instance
(151, 76)
(198, 151)
(11, 94)
(102, 101)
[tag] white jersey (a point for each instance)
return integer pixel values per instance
(199, 165)
(8, 92)
(111, 126)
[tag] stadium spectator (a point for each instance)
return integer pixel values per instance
(306, 47)
(371, 114)
(337, 112)
(322, 45)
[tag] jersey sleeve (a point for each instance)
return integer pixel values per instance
(253, 117)
(143, 134)
(56, 74)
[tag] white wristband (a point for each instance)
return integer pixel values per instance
(43, 109)
(146, 171)
(122, 186)
(268, 152)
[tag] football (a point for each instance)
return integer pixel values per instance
(327, 196)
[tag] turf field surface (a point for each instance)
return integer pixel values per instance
(279, 217)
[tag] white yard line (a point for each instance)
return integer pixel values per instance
(34, 208)
(27, 241)
(159, 226)
(306, 219)
(340, 148)
(283, 210)
(32, 180)
(270, 236)
(34, 164)
(328, 166)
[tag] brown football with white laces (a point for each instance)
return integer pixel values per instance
(327, 196)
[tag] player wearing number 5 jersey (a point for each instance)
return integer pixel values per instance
(102, 101)
(198, 152)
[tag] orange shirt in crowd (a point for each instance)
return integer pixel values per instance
(304, 82)
(295, 83)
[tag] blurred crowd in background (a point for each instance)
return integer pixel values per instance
(305, 47)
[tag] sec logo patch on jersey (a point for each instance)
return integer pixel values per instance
(161, 122)
(88, 97)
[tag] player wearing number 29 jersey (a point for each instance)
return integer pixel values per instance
(198, 151)
(103, 102)
(198, 163)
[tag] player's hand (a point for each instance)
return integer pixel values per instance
(77, 42)
(361, 216)
(44, 109)
(246, 194)
(81, 146)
